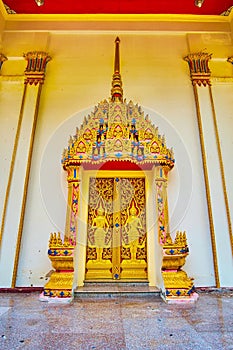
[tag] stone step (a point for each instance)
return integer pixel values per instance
(111, 288)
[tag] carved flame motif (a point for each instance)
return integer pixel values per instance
(117, 131)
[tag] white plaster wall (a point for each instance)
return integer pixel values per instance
(223, 101)
(78, 77)
(8, 126)
(223, 97)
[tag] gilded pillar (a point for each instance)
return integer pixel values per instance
(17, 187)
(162, 204)
(72, 204)
(213, 168)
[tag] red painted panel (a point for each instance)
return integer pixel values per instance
(210, 7)
(122, 165)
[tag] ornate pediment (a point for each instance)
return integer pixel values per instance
(117, 131)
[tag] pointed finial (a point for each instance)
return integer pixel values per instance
(117, 91)
(117, 56)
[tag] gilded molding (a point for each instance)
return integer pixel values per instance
(36, 65)
(199, 68)
(230, 59)
(221, 169)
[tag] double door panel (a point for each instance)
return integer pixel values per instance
(116, 229)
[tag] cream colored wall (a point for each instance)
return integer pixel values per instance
(222, 97)
(154, 75)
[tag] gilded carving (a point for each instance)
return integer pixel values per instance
(116, 229)
(117, 131)
(36, 65)
(177, 283)
(199, 67)
(61, 280)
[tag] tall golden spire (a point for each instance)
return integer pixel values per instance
(117, 91)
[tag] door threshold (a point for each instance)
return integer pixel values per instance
(117, 281)
(109, 289)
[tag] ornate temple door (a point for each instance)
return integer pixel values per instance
(116, 230)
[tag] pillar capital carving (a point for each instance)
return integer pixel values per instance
(36, 65)
(3, 58)
(230, 59)
(199, 67)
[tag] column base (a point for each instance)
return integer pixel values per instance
(180, 300)
(55, 300)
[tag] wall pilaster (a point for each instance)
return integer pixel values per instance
(16, 196)
(213, 169)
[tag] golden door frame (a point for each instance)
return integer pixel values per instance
(152, 241)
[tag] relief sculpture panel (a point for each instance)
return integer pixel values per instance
(116, 229)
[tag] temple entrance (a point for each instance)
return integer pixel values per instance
(116, 229)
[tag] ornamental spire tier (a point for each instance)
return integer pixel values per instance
(117, 91)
